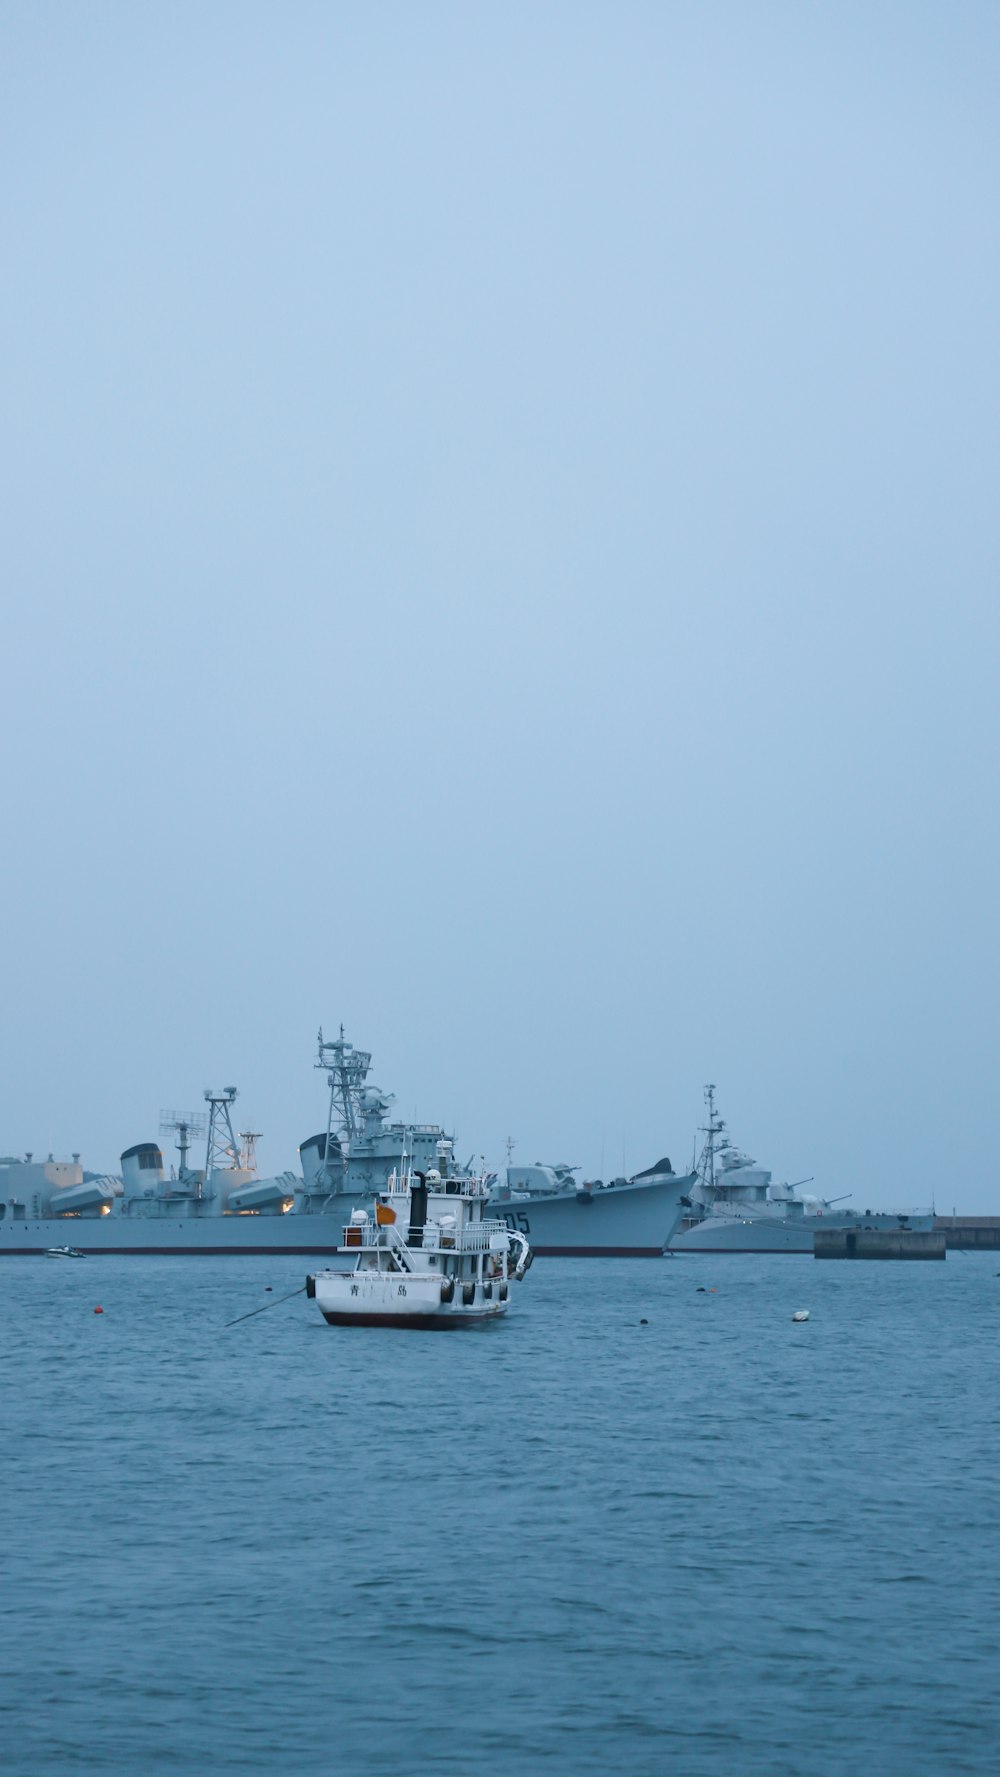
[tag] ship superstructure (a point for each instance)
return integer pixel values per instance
(360, 1148)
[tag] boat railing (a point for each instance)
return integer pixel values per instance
(400, 1184)
(475, 1237)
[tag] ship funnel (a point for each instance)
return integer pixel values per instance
(311, 1155)
(142, 1169)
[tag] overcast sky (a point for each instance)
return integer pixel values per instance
(500, 549)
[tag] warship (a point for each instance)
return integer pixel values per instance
(735, 1207)
(224, 1207)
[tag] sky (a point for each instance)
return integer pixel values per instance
(500, 551)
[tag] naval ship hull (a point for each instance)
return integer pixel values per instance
(312, 1236)
(764, 1234)
(633, 1221)
(623, 1222)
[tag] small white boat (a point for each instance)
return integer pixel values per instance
(429, 1258)
(64, 1252)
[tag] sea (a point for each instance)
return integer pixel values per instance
(648, 1524)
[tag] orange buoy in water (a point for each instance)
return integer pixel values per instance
(98, 1309)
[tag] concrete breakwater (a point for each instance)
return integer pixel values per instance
(965, 1233)
(878, 1243)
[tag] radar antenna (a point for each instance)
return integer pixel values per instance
(184, 1126)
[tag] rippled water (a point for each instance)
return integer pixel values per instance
(719, 1543)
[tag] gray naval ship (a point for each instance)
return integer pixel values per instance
(223, 1207)
(735, 1207)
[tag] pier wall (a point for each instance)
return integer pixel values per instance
(878, 1243)
(969, 1233)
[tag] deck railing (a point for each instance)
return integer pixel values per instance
(475, 1237)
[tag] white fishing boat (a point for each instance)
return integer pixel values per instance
(428, 1258)
(64, 1252)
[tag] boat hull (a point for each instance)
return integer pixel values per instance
(414, 1323)
(389, 1299)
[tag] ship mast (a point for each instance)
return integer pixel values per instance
(221, 1149)
(712, 1130)
(248, 1149)
(346, 1069)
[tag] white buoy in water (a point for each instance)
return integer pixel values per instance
(801, 1314)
